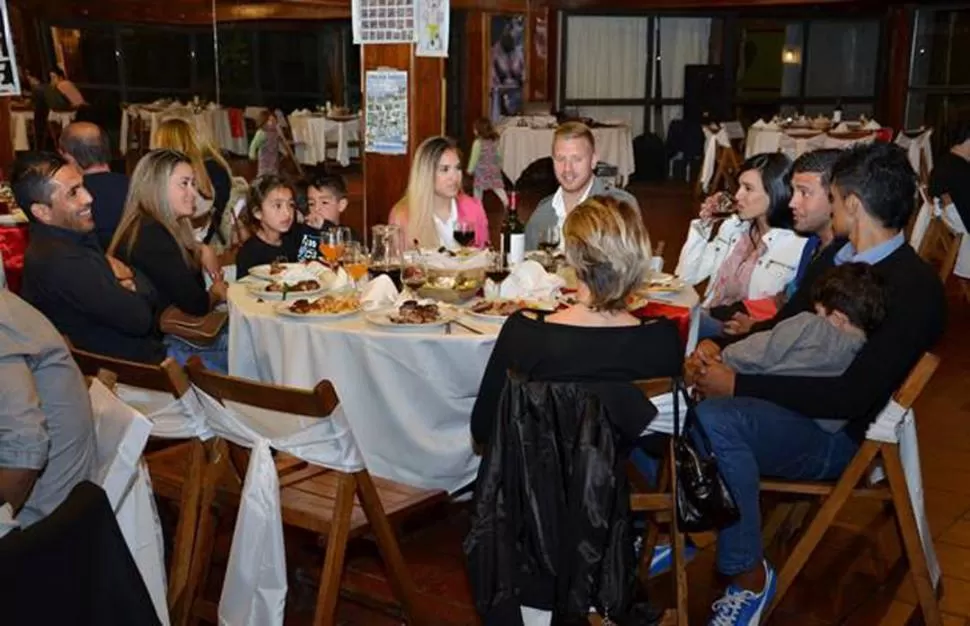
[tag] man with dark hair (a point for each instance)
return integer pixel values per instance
(766, 424)
(812, 212)
(97, 301)
(87, 146)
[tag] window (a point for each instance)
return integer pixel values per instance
(156, 58)
(939, 80)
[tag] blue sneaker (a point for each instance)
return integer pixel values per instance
(663, 556)
(740, 607)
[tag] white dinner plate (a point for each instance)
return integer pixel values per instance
(262, 272)
(382, 318)
(283, 309)
(498, 319)
(278, 295)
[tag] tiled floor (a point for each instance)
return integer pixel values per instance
(849, 580)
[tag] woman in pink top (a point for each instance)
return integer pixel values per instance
(434, 202)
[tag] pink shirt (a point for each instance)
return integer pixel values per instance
(469, 210)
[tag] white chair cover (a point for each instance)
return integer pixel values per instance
(920, 145)
(711, 141)
(254, 591)
(898, 425)
(951, 217)
(121, 434)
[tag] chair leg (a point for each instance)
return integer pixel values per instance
(823, 520)
(333, 563)
(909, 534)
(398, 576)
(216, 467)
(680, 561)
(183, 545)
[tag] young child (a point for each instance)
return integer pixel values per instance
(850, 303)
(485, 162)
(265, 146)
(270, 216)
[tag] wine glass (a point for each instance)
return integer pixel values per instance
(549, 240)
(497, 271)
(356, 262)
(332, 245)
(464, 233)
(414, 273)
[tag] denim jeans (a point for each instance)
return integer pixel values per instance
(215, 357)
(753, 438)
(708, 326)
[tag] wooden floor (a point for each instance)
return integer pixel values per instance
(846, 582)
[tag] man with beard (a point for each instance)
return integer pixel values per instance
(97, 301)
(574, 161)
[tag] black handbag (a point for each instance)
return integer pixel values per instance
(703, 500)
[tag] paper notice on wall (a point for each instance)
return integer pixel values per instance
(383, 21)
(431, 27)
(9, 76)
(386, 111)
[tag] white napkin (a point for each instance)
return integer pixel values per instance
(300, 112)
(841, 128)
(337, 280)
(872, 125)
(441, 261)
(7, 520)
(529, 281)
(379, 293)
(293, 275)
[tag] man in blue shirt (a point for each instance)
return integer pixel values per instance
(766, 425)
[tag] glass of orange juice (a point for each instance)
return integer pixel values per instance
(332, 245)
(356, 261)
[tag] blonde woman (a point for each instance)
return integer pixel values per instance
(213, 176)
(155, 237)
(596, 339)
(434, 202)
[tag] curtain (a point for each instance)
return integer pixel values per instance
(606, 57)
(683, 41)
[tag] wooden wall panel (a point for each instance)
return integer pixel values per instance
(539, 55)
(893, 99)
(476, 73)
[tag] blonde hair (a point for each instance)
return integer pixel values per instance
(177, 134)
(419, 198)
(574, 130)
(608, 246)
(148, 199)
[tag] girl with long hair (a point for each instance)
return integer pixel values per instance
(434, 202)
(485, 162)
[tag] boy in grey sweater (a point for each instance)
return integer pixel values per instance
(850, 302)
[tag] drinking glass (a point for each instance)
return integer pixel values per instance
(497, 271)
(414, 272)
(356, 262)
(332, 245)
(464, 233)
(549, 240)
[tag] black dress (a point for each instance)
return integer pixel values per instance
(951, 174)
(551, 352)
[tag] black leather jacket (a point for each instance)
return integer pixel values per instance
(551, 524)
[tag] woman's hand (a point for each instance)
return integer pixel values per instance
(739, 324)
(218, 292)
(709, 206)
(210, 262)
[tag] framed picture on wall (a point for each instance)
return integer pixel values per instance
(506, 64)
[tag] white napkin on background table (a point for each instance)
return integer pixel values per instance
(530, 281)
(872, 125)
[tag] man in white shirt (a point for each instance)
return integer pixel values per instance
(574, 160)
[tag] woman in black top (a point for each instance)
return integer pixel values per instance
(595, 339)
(155, 235)
(270, 214)
(213, 176)
(951, 172)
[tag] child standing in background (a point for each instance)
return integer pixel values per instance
(265, 147)
(485, 162)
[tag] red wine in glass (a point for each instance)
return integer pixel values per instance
(464, 238)
(497, 275)
(393, 272)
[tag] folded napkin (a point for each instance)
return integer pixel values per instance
(442, 261)
(530, 281)
(841, 128)
(7, 520)
(336, 280)
(299, 112)
(293, 275)
(872, 125)
(379, 293)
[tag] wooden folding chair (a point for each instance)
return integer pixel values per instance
(660, 504)
(317, 499)
(177, 471)
(894, 492)
(941, 246)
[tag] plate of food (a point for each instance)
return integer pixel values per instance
(328, 307)
(664, 283)
(412, 315)
(284, 290)
(451, 288)
(499, 309)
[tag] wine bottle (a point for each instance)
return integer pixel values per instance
(837, 113)
(513, 233)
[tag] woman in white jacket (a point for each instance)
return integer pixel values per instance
(754, 253)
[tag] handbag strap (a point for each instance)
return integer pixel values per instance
(690, 420)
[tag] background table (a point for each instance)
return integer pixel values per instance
(521, 145)
(407, 396)
(13, 245)
(313, 132)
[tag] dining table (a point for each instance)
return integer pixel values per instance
(407, 395)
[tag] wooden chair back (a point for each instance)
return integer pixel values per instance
(940, 244)
(167, 377)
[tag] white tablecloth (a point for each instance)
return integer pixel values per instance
(312, 132)
(212, 124)
(407, 396)
(520, 146)
(20, 120)
(794, 143)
